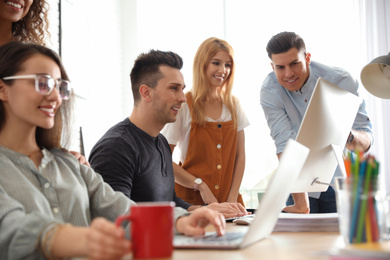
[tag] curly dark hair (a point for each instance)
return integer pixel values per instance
(34, 27)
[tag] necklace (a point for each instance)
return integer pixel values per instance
(27, 154)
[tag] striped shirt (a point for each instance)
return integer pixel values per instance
(60, 191)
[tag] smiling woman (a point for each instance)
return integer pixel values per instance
(30, 95)
(27, 103)
(33, 112)
(24, 21)
(209, 131)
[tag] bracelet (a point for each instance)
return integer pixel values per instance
(46, 241)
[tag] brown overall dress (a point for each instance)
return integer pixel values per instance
(211, 157)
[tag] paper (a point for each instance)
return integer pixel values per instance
(292, 222)
(307, 222)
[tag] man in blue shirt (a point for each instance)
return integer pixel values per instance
(284, 97)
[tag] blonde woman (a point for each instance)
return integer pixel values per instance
(209, 131)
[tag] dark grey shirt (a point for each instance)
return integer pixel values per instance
(135, 163)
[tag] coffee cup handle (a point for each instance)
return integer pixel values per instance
(120, 219)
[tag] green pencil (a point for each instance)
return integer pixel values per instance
(363, 206)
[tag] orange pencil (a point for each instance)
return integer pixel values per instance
(372, 216)
(347, 164)
(368, 228)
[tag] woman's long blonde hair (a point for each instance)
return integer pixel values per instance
(200, 88)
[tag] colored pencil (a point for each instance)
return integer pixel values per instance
(361, 184)
(363, 206)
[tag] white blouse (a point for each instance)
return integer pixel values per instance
(178, 133)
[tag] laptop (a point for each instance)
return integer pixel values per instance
(267, 213)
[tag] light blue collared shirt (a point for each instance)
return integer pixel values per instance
(284, 110)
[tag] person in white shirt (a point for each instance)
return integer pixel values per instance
(209, 130)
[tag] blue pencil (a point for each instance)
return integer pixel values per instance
(356, 203)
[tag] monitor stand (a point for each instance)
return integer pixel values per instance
(338, 152)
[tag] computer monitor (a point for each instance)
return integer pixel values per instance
(324, 130)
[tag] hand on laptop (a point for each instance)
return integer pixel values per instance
(195, 223)
(229, 210)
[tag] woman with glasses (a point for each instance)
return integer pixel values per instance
(24, 20)
(209, 130)
(51, 207)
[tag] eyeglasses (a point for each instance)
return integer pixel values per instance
(44, 84)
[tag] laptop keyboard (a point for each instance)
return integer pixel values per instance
(250, 217)
(229, 236)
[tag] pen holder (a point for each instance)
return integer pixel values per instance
(360, 208)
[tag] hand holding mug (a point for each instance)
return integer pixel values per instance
(151, 229)
(106, 241)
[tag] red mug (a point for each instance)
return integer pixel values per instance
(151, 229)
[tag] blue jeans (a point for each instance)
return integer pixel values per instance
(326, 203)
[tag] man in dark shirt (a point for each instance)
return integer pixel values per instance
(135, 163)
(133, 157)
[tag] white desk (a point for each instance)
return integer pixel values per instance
(278, 246)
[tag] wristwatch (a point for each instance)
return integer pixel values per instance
(350, 138)
(197, 182)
